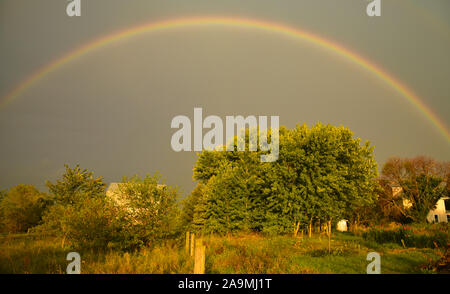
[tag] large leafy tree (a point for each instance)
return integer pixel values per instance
(322, 174)
(75, 196)
(150, 208)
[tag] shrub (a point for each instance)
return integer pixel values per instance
(89, 223)
(148, 210)
(144, 214)
(21, 208)
(408, 236)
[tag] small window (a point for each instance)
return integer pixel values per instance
(436, 218)
(447, 204)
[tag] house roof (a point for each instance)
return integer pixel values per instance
(115, 193)
(115, 187)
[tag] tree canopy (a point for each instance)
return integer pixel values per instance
(21, 208)
(322, 173)
(73, 183)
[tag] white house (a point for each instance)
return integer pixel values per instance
(441, 214)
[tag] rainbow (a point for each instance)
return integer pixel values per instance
(235, 22)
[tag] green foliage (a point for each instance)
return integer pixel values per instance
(74, 183)
(73, 195)
(408, 236)
(228, 207)
(194, 206)
(21, 208)
(322, 173)
(3, 193)
(143, 213)
(150, 210)
(90, 223)
(423, 191)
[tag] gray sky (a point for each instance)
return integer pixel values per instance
(110, 111)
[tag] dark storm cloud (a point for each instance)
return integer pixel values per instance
(110, 111)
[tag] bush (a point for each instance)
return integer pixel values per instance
(143, 213)
(91, 223)
(148, 210)
(409, 237)
(21, 208)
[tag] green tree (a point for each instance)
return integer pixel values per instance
(22, 208)
(193, 213)
(144, 212)
(3, 194)
(89, 223)
(150, 209)
(74, 183)
(73, 196)
(322, 174)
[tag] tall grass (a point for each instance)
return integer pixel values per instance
(410, 236)
(238, 254)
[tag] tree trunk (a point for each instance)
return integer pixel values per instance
(329, 236)
(187, 242)
(296, 227)
(192, 244)
(310, 227)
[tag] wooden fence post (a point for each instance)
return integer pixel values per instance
(199, 258)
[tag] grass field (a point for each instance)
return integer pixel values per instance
(240, 254)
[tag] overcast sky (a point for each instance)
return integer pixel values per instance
(110, 110)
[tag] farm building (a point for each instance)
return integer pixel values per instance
(342, 225)
(442, 211)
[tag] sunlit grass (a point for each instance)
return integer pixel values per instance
(239, 254)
